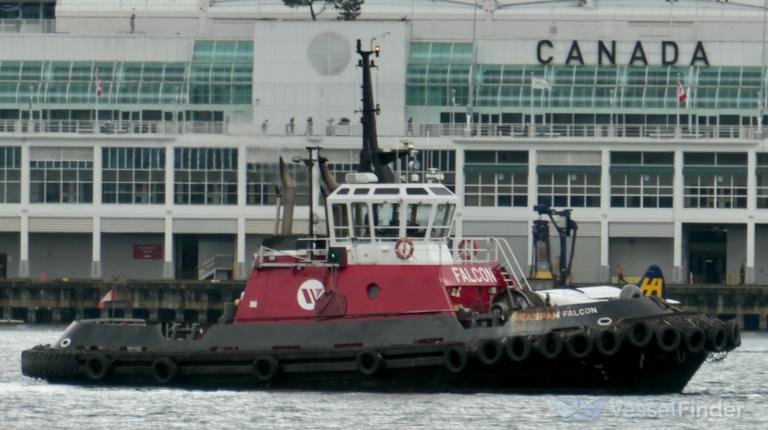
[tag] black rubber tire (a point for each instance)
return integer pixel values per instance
(265, 367)
(549, 345)
(639, 334)
(607, 342)
(96, 367)
(369, 362)
(694, 339)
(579, 345)
(717, 337)
(455, 358)
(164, 370)
(518, 348)
(490, 351)
(733, 330)
(667, 337)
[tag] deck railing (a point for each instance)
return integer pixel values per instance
(117, 127)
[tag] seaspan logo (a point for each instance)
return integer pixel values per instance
(308, 293)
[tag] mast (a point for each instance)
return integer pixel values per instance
(372, 159)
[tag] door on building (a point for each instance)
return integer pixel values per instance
(186, 256)
(707, 248)
(3, 266)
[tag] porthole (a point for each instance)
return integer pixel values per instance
(372, 290)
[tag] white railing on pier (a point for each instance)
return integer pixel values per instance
(117, 127)
(605, 131)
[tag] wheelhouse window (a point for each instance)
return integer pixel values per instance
(386, 220)
(441, 226)
(340, 220)
(417, 219)
(361, 222)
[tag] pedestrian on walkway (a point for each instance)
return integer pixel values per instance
(620, 275)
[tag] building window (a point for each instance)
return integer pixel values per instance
(10, 174)
(762, 181)
(133, 175)
(642, 179)
(715, 180)
(496, 178)
(263, 183)
(66, 181)
(566, 186)
(205, 176)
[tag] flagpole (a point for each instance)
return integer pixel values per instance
(531, 133)
(96, 82)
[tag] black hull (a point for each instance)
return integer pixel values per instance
(422, 354)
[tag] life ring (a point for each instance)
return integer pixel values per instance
(518, 348)
(164, 370)
(96, 367)
(265, 367)
(404, 248)
(369, 362)
(455, 358)
(467, 249)
(490, 351)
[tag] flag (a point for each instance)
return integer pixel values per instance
(109, 297)
(682, 96)
(98, 85)
(539, 84)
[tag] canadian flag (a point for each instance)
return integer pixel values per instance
(109, 297)
(682, 96)
(98, 85)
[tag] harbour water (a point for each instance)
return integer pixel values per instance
(728, 394)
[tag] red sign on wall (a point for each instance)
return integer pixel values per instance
(147, 252)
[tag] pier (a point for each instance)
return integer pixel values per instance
(61, 302)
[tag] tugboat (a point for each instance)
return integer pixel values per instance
(388, 300)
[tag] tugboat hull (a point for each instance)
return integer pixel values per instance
(554, 353)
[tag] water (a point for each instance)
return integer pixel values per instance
(736, 387)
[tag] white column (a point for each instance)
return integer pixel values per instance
(605, 268)
(749, 271)
(96, 249)
(24, 176)
(533, 197)
(242, 177)
(24, 246)
(168, 269)
(678, 276)
(169, 176)
(460, 191)
(96, 176)
(242, 267)
(751, 181)
(605, 180)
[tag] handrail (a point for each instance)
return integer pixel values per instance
(116, 127)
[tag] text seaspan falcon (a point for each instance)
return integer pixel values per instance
(388, 300)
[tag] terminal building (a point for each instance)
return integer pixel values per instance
(140, 140)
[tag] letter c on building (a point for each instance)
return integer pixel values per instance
(538, 51)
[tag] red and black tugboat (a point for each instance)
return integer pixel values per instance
(389, 300)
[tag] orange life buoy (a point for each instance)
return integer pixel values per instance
(404, 248)
(467, 249)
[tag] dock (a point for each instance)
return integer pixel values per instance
(61, 302)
